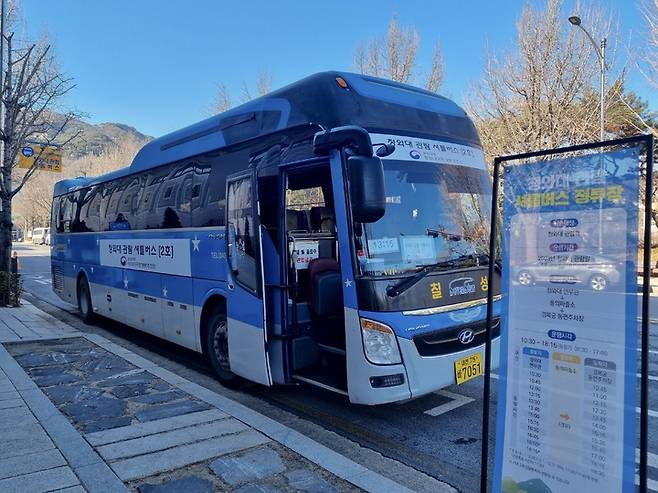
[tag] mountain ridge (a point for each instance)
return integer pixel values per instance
(97, 139)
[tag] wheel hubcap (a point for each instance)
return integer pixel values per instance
(220, 345)
(524, 278)
(598, 283)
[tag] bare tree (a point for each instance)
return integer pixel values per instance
(224, 101)
(33, 88)
(648, 64)
(31, 207)
(650, 58)
(395, 56)
(540, 94)
(435, 77)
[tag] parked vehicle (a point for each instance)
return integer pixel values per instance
(333, 232)
(39, 235)
(590, 271)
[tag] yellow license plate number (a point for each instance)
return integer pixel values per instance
(468, 368)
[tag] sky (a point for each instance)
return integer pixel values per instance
(156, 65)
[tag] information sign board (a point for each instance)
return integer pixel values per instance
(566, 413)
(161, 255)
(47, 158)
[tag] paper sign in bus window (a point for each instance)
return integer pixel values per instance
(381, 246)
(418, 248)
(304, 252)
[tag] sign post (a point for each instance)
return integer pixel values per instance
(567, 394)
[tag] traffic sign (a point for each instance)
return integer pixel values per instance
(47, 158)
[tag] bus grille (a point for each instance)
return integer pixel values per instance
(446, 341)
(58, 279)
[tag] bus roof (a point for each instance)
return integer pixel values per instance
(373, 103)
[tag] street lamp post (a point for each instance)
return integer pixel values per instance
(599, 48)
(600, 53)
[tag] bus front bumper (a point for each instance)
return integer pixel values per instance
(428, 374)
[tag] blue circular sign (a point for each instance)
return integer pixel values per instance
(414, 154)
(27, 151)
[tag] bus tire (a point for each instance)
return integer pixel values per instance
(85, 305)
(217, 350)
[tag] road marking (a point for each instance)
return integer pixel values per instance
(42, 282)
(457, 401)
(652, 413)
(652, 459)
(652, 485)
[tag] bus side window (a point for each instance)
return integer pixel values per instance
(92, 217)
(111, 211)
(65, 214)
(80, 205)
(211, 178)
(150, 216)
(54, 220)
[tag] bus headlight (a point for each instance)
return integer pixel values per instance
(379, 343)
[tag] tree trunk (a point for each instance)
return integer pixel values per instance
(5, 234)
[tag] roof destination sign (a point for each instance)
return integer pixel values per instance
(431, 151)
(567, 396)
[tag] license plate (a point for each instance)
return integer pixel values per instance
(468, 368)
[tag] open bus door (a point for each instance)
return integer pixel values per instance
(246, 314)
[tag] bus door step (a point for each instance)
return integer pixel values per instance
(319, 377)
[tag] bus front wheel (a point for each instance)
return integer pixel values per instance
(84, 301)
(217, 349)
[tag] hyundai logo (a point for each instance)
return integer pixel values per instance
(466, 336)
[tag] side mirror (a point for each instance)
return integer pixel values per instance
(367, 192)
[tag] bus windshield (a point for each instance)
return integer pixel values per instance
(434, 212)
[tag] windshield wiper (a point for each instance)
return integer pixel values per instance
(469, 260)
(435, 233)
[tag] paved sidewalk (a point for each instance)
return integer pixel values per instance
(80, 413)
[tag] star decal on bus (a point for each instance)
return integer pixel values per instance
(348, 283)
(195, 244)
(125, 284)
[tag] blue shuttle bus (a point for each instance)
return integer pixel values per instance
(333, 232)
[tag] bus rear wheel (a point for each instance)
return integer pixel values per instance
(84, 301)
(217, 349)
